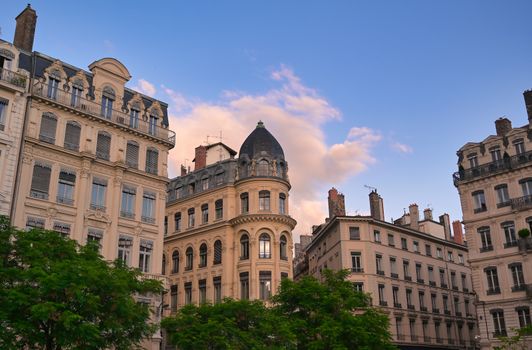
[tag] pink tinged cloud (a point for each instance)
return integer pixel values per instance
(294, 114)
(145, 87)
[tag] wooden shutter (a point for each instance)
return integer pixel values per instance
(217, 252)
(72, 135)
(67, 175)
(103, 146)
(48, 127)
(152, 159)
(132, 154)
(40, 182)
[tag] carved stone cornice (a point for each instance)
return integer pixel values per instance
(251, 218)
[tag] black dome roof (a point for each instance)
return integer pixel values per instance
(261, 140)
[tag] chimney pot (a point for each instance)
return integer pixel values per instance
(336, 203)
(414, 216)
(427, 214)
(200, 160)
(376, 205)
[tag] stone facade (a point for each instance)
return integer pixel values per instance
(416, 276)
(13, 96)
(229, 233)
(494, 182)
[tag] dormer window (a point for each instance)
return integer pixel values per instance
(53, 85)
(473, 160)
(153, 123)
(134, 117)
(495, 154)
(108, 97)
(519, 146)
(77, 89)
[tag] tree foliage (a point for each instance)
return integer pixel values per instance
(519, 341)
(56, 294)
(307, 314)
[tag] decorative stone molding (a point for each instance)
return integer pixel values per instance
(97, 215)
(252, 218)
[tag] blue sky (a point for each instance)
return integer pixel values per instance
(426, 75)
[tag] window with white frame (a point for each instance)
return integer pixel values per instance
(356, 262)
(509, 234)
(244, 203)
(65, 187)
(518, 278)
(153, 123)
(492, 280)
(526, 186)
(479, 201)
(264, 200)
(148, 207)
(523, 314)
(99, 189)
(503, 198)
(95, 235)
(265, 284)
(499, 326)
(128, 201)
(145, 252)
(124, 249)
(40, 182)
(485, 238)
(265, 246)
(519, 145)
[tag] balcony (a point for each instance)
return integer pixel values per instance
(420, 280)
(356, 269)
(380, 272)
(455, 287)
(423, 308)
(525, 244)
(432, 283)
(411, 307)
(521, 203)
(383, 303)
(91, 108)
(486, 248)
(435, 310)
(510, 244)
(513, 162)
(397, 305)
(394, 275)
(519, 288)
(13, 78)
(408, 278)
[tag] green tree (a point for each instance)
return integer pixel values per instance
(307, 314)
(331, 315)
(518, 341)
(56, 294)
(231, 324)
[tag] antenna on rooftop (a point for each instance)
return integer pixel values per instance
(371, 188)
(219, 138)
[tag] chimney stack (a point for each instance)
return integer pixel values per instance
(200, 160)
(414, 216)
(25, 29)
(183, 170)
(446, 222)
(458, 233)
(427, 214)
(528, 103)
(504, 125)
(336, 203)
(376, 206)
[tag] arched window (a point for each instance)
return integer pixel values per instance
(282, 203)
(264, 200)
(132, 154)
(48, 127)
(203, 255)
(175, 261)
(190, 258)
(244, 247)
(152, 160)
(72, 135)
(103, 145)
(263, 167)
(265, 251)
(108, 97)
(217, 252)
(163, 268)
(282, 248)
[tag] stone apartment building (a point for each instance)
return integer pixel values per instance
(494, 182)
(14, 83)
(229, 233)
(93, 164)
(414, 270)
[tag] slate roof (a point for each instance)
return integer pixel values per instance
(261, 140)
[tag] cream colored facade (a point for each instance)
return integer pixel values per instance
(88, 167)
(421, 280)
(495, 187)
(225, 238)
(13, 88)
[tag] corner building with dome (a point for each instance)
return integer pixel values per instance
(228, 232)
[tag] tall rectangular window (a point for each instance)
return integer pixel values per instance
(518, 278)
(356, 262)
(75, 98)
(439, 253)
(177, 221)
(148, 207)
(282, 203)
(72, 136)
(382, 298)
(65, 187)
(412, 323)
(503, 198)
(354, 233)
(264, 200)
(454, 285)
(390, 240)
(173, 298)
(519, 146)
(434, 303)
(416, 246)
(152, 161)
(244, 203)
(217, 284)
(3, 112)
(377, 236)
(409, 303)
(428, 250)
(107, 107)
(188, 293)
(128, 201)
(132, 154)
(509, 234)
(219, 209)
(431, 276)
(378, 264)
(526, 186)
(62, 228)
(146, 248)
(473, 160)
(443, 279)
(153, 125)
(202, 288)
(493, 280)
(495, 154)
(124, 249)
(422, 305)
(244, 285)
(134, 118)
(395, 295)
(53, 86)
(419, 273)
(499, 325)
(479, 202)
(191, 220)
(265, 284)
(40, 182)
(485, 239)
(523, 314)
(204, 213)
(393, 268)
(465, 287)
(406, 270)
(48, 128)
(404, 243)
(99, 188)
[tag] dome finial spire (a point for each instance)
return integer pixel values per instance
(260, 124)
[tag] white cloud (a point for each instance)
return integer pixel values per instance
(145, 87)
(294, 114)
(402, 148)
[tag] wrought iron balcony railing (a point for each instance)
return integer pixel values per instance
(524, 202)
(492, 168)
(12, 78)
(95, 109)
